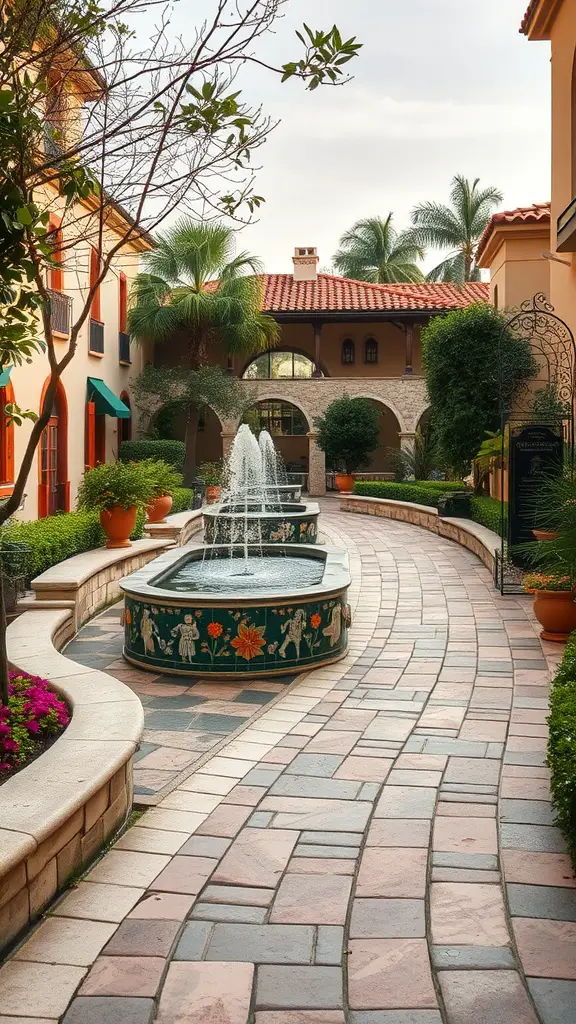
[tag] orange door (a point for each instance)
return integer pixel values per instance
(49, 457)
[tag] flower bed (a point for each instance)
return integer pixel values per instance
(31, 721)
(562, 745)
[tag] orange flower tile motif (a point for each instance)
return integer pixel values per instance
(315, 620)
(250, 641)
(215, 629)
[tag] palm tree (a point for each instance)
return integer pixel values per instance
(195, 293)
(457, 228)
(373, 251)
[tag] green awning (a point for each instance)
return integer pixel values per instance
(5, 376)
(106, 402)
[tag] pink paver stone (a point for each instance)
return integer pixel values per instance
(465, 835)
(547, 948)
(206, 993)
(185, 875)
(257, 857)
(124, 976)
(312, 899)
(389, 974)
(394, 872)
(164, 906)
(466, 914)
(533, 868)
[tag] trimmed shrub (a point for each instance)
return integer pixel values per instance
(417, 493)
(172, 452)
(55, 538)
(562, 745)
(486, 511)
(181, 499)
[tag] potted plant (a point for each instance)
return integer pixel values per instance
(211, 474)
(164, 480)
(554, 602)
(117, 490)
(347, 432)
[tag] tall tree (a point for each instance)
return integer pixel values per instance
(457, 228)
(373, 251)
(195, 294)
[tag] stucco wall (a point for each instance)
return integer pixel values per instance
(519, 270)
(28, 380)
(563, 278)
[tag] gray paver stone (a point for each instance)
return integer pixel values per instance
(387, 919)
(225, 912)
(302, 988)
(526, 812)
(193, 940)
(109, 1010)
(556, 904)
(262, 944)
(329, 944)
(471, 956)
(534, 838)
(555, 1000)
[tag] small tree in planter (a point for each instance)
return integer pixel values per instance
(347, 432)
(164, 480)
(211, 474)
(117, 490)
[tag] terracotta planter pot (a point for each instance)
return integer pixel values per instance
(118, 524)
(344, 482)
(556, 611)
(158, 509)
(213, 493)
(545, 534)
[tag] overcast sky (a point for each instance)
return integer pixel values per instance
(440, 87)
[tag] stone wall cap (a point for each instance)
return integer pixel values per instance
(391, 501)
(73, 572)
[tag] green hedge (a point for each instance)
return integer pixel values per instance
(487, 512)
(55, 538)
(172, 452)
(420, 492)
(181, 500)
(562, 745)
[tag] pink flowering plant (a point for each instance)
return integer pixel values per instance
(33, 717)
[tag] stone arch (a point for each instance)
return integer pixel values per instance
(381, 461)
(293, 446)
(389, 404)
(276, 395)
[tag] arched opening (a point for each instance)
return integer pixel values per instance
(382, 458)
(288, 426)
(423, 424)
(170, 423)
(371, 351)
(276, 365)
(125, 424)
(53, 483)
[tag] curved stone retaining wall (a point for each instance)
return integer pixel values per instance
(482, 541)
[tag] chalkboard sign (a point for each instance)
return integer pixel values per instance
(535, 453)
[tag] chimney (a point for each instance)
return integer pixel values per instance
(305, 261)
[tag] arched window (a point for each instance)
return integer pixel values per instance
(370, 350)
(125, 423)
(495, 296)
(281, 419)
(53, 483)
(348, 353)
(6, 440)
(276, 365)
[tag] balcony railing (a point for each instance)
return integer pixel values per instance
(96, 343)
(566, 229)
(51, 146)
(60, 311)
(124, 348)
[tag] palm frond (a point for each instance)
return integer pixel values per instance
(371, 250)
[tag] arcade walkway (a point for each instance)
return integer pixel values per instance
(375, 847)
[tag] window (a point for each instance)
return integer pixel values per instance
(6, 438)
(348, 354)
(370, 350)
(95, 312)
(122, 303)
(53, 483)
(281, 419)
(274, 365)
(495, 296)
(56, 272)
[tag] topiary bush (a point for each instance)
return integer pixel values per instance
(348, 431)
(181, 499)
(487, 512)
(562, 745)
(172, 452)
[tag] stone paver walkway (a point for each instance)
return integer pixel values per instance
(376, 848)
(184, 717)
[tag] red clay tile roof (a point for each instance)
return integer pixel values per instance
(282, 294)
(537, 212)
(528, 16)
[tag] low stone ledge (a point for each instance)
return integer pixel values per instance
(56, 813)
(177, 528)
(476, 538)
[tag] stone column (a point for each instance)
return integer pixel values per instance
(316, 467)
(227, 438)
(407, 440)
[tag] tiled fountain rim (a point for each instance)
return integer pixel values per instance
(335, 578)
(289, 509)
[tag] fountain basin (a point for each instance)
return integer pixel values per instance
(221, 626)
(292, 524)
